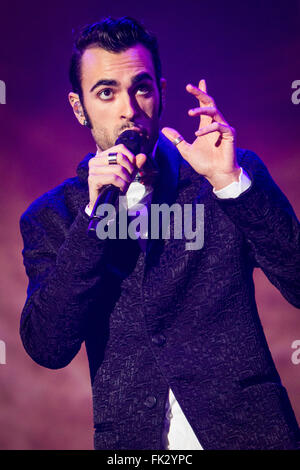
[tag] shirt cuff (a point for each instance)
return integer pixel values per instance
(233, 190)
(88, 211)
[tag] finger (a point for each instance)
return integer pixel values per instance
(202, 85)
(227, 131)
(211, 111)
(140, 160)
(120, 148)
(171, 134)
(96, 182)
(103, 160)
(207, 110)
(203, 97)
(116, 169)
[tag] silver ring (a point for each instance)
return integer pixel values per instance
(112, 158)
(178, 140)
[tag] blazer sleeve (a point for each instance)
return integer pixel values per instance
(270, 227)
(64, 269)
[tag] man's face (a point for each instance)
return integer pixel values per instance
(120, 92)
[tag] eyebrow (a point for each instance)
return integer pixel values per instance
(141, 77)
(110, 82)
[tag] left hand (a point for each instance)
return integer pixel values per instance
(212, 154)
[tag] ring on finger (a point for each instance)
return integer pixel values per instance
(112, 158)
(178, 140)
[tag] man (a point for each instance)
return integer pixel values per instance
(178, 358)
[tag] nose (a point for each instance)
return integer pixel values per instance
(128, 107)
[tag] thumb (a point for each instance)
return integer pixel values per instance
(171, 134)
(140, 160)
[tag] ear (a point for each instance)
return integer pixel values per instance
(163, 87)
(74, 101)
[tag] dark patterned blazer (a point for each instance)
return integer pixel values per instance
(167, 317)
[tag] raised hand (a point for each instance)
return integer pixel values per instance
(212, 154)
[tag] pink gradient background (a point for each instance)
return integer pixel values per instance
(248, 52)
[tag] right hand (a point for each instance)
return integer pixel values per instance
(120, 174)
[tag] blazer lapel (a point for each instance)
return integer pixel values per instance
(177, 183)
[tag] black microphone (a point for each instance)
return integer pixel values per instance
(109, 194)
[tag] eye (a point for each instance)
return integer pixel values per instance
(143, 90)
(106, 94)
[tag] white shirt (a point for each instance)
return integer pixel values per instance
(178, 434)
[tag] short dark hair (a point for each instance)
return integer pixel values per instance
(113, 35)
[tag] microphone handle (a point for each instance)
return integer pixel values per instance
(109, 194)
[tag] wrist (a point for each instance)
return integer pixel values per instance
(221, 180)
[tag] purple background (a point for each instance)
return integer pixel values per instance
(248, 52)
